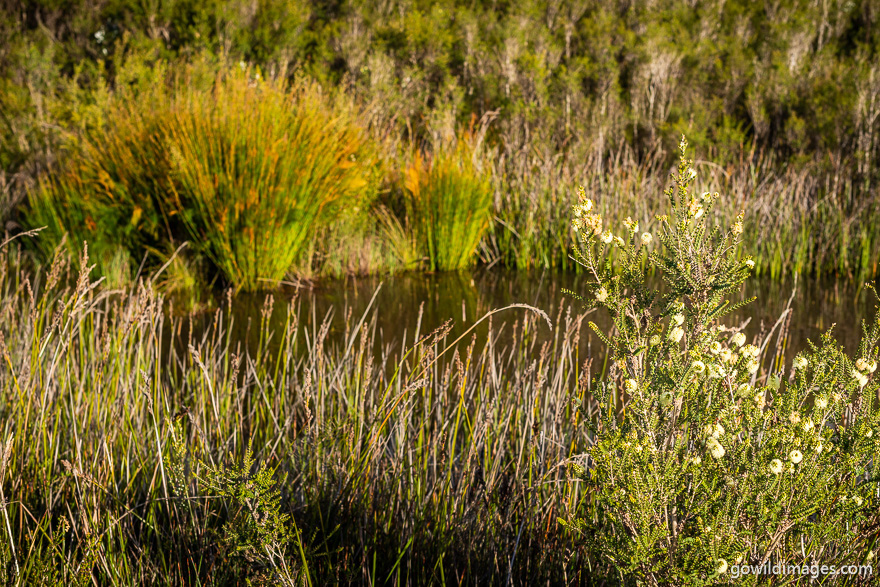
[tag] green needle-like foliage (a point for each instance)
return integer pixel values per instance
(697, 467)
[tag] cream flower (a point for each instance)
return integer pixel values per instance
(750, 264)
(631, 385)
(618, 241)
(759, 400)
(738, 339)
(715, 447)
(715, 348)
(751, 350)
(737, 228)
(821, 403)
(794, 417)
(607, 237)
(776, 466)
(715, 430)
(796, 456)
(666, 399)
(800, 363)
(697, 460)
(819, 448)
(862, 365)
(678, 319)
(716, 371)
(808, 425)
(872, 366)
(655, 340)
(744, 390)
(722, 566)
(647, 238)
(698, 366)
(676, 333)
(862, 379)
(752, 366)
(857, 500)
(602, 294)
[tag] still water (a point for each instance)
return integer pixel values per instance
(400, 303)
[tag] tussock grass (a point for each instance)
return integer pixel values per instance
(448, 203)
(257, 169)
(246, 169)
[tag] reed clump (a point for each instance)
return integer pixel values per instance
(245, 169)
(141, 449)
(448, 203)
(257, 168)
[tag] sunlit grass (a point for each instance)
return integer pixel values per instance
(449, 200)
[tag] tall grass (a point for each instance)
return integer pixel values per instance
(141, 451)
(244, 168)
(802, 220)
(448, 204)
(113, 189)
(257, 169)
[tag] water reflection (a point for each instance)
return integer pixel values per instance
(405, 303)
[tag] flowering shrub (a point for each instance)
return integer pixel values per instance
(697, 462)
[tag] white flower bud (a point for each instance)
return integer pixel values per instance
(676, 333)
(715, 447)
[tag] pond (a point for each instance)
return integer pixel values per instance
(400, 304)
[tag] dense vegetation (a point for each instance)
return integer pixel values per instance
(782, 97)
(140, 448)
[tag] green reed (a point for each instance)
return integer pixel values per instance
(448, 204)
(144, 451)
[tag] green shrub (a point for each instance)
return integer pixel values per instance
(448, 204)
(697, 465)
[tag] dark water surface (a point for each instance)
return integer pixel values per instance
(464, 297)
